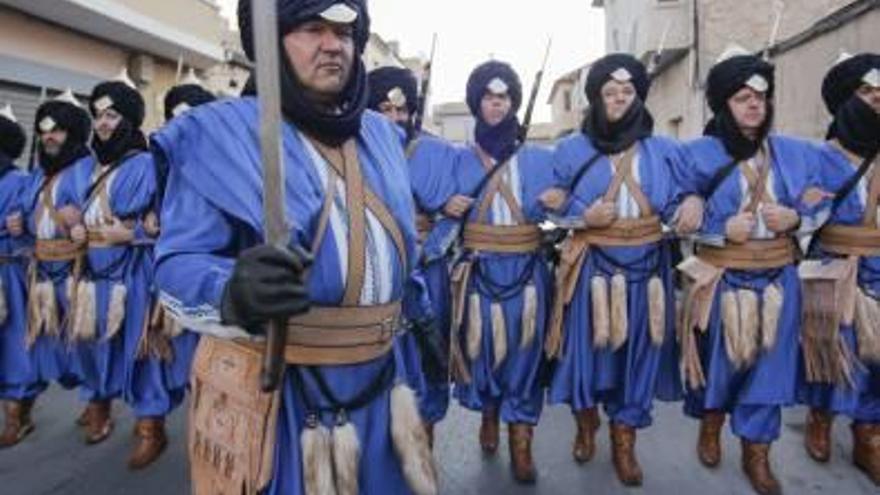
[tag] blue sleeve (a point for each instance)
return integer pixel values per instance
(194, 261)
(431, 173)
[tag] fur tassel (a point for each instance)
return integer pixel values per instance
(868, 328)
(475, 327)
(619, 317)
(4, 308)
(84, 320)
(730, 325)
(773, 300)
(317, 463)
(601, 319)
(530, 317)
(499, 334)
(35, 316)
(49, 308)
(411, 442)
(171, 327)
(749, 326)
(657, 311)
(116, 310)
(346, 458)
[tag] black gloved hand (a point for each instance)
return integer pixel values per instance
(433, 348)
(266, 284)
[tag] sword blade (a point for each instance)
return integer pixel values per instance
(265, 16)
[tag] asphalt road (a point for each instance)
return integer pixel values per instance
(55, 461)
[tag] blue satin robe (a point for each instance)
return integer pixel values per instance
(213, 210)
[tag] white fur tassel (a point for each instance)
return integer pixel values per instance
(657, 311)
(116, 310)
(868, 328)
(317, 463)
(601, 320)
(346, 459)
(84, 319)
(730, 325)
(499, 334)
(749, 326)
(530, 317)
(48, 308)
(411, 442)
(475, 327)
(619, 317)
(773, 300)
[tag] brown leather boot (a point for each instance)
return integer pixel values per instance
(100, 424)
(520, 441)
(83, 419)
(489, 431)
(756, 465)
(866, 449)
(18, 422)
(623, 454)
(709, 444)
(151, 441)
(585, 439)
(817, 437)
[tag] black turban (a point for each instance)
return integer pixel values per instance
(856, 124)
(478, 85)
(70, 118)
(331, 128)
(845, 78)
(500, 140)
(127, 137)
(725, 79)
(385, 79)
(728, 77)
(189, 94)
(604, 69)
(292, 13)
(12, 139)
(125, 100)
(636, 124)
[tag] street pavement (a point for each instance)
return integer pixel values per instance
(55, 461)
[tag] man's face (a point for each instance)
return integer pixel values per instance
(749, 109)
(398, 115)
(322, 54)
(617, 97)
(870, 95)
(495, 108)
(106, 123)
(53, 141)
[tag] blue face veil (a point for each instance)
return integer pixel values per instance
(335, 126)
(499, 141)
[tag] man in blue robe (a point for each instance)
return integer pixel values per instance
(741, 322)
(614, 317)
(157, 375)
(502, 284)
(343, 418)
(43, 217)
(19, 384)
(394, 93)
(114, 192)
(842, 346)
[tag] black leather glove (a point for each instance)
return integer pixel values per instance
(433, 348)
(266, 284)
